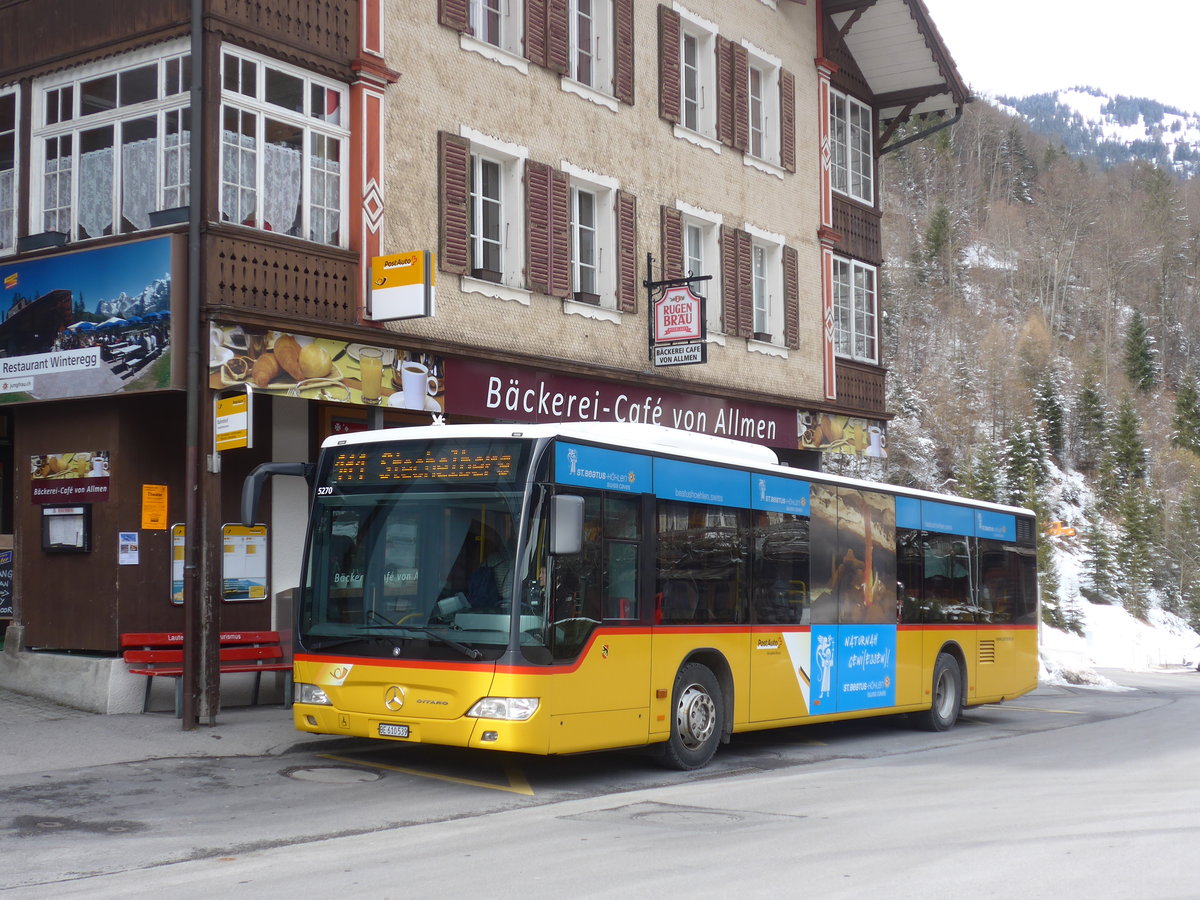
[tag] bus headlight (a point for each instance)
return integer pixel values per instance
(310, 693)
(514, 709)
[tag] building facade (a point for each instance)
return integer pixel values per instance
(227, 223)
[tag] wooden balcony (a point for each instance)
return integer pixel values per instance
(861, 387)
(860, 231)
(251, 275)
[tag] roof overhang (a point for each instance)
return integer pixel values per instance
(902, 57)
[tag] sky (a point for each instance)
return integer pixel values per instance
(1021, 47)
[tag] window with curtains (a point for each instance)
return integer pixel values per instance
(854, 310)
(8, 170)
(111, 143)
(283, 148)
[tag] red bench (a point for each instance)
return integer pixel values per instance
(241, 651)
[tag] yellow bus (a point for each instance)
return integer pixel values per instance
(553, 589)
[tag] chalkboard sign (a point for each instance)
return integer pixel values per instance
(6, 584)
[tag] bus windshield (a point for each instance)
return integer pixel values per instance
(412, 553)
(411, 575)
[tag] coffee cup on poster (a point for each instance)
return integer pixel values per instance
(416, 383)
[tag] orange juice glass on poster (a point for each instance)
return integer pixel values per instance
(370, 365)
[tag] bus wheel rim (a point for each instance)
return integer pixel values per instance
(695, 716)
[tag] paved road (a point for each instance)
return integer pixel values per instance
(1067, 793)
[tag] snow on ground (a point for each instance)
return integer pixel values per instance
(1113, 639)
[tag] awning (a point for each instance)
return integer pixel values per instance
(900, 53)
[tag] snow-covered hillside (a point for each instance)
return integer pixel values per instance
(1117, 129)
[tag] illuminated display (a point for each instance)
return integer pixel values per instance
(475, 462)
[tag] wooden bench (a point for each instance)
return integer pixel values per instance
(161, 655)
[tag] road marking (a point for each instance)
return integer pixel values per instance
(1061, 712)
(517, 783)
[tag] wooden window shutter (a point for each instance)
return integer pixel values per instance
(536, 13)
(729, 280)
(740, 88)
(537, 225)
(623, 54)
(787, 120)
(725, 115)
(455, 14)
(560, 234)
(558, 36)
(791, 298)
(745, 282)
(627, 280)
(454, 195)
(672, 242)
(669, 105)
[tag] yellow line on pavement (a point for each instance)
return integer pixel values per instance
(517, 783)
(1061, 712)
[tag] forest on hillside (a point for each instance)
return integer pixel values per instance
(1042, 320)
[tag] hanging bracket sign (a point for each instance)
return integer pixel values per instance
(232, 421)
(678, 326)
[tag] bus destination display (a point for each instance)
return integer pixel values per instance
(482, 463)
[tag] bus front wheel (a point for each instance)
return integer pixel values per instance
(947, 695)
(697, 714)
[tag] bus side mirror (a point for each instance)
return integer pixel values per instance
(566, 524)
(252, 486)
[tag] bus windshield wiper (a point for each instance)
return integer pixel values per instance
(469, 652)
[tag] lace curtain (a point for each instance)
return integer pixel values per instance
(7, 205)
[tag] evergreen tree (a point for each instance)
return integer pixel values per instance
(1127, 454)
(1186, 422)
(1141, 367)
(1090, 443)
(979, 476)
(1025, 467)
(1048, 406)
(1099, 565)
(1135, 556)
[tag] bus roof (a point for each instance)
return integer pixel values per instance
(660, 439)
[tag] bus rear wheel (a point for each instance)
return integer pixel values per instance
(947, 695)
(697, 716)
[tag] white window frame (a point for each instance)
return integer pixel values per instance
(59, 119)
(511, 158)
(766, 123)
(8, 176)
(249, 103)
(508, 46)
(851, 144)
(698, 104)
(599, 53)
(604, 193)
(709, 225)
(855, 310)
(767, 287)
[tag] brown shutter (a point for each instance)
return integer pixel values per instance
(729, 280)
(558, 36)
(669, 106)
(672, 242)
(787, 120)
(725, 115)
(741, 98)
(623, 52)
(455, 14)
(454, 176)
(535, 31)
(745, 282)
(560, 235)
(537, 226)
(791, 298)
(627, 281)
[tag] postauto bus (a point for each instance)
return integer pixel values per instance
(554, 589)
